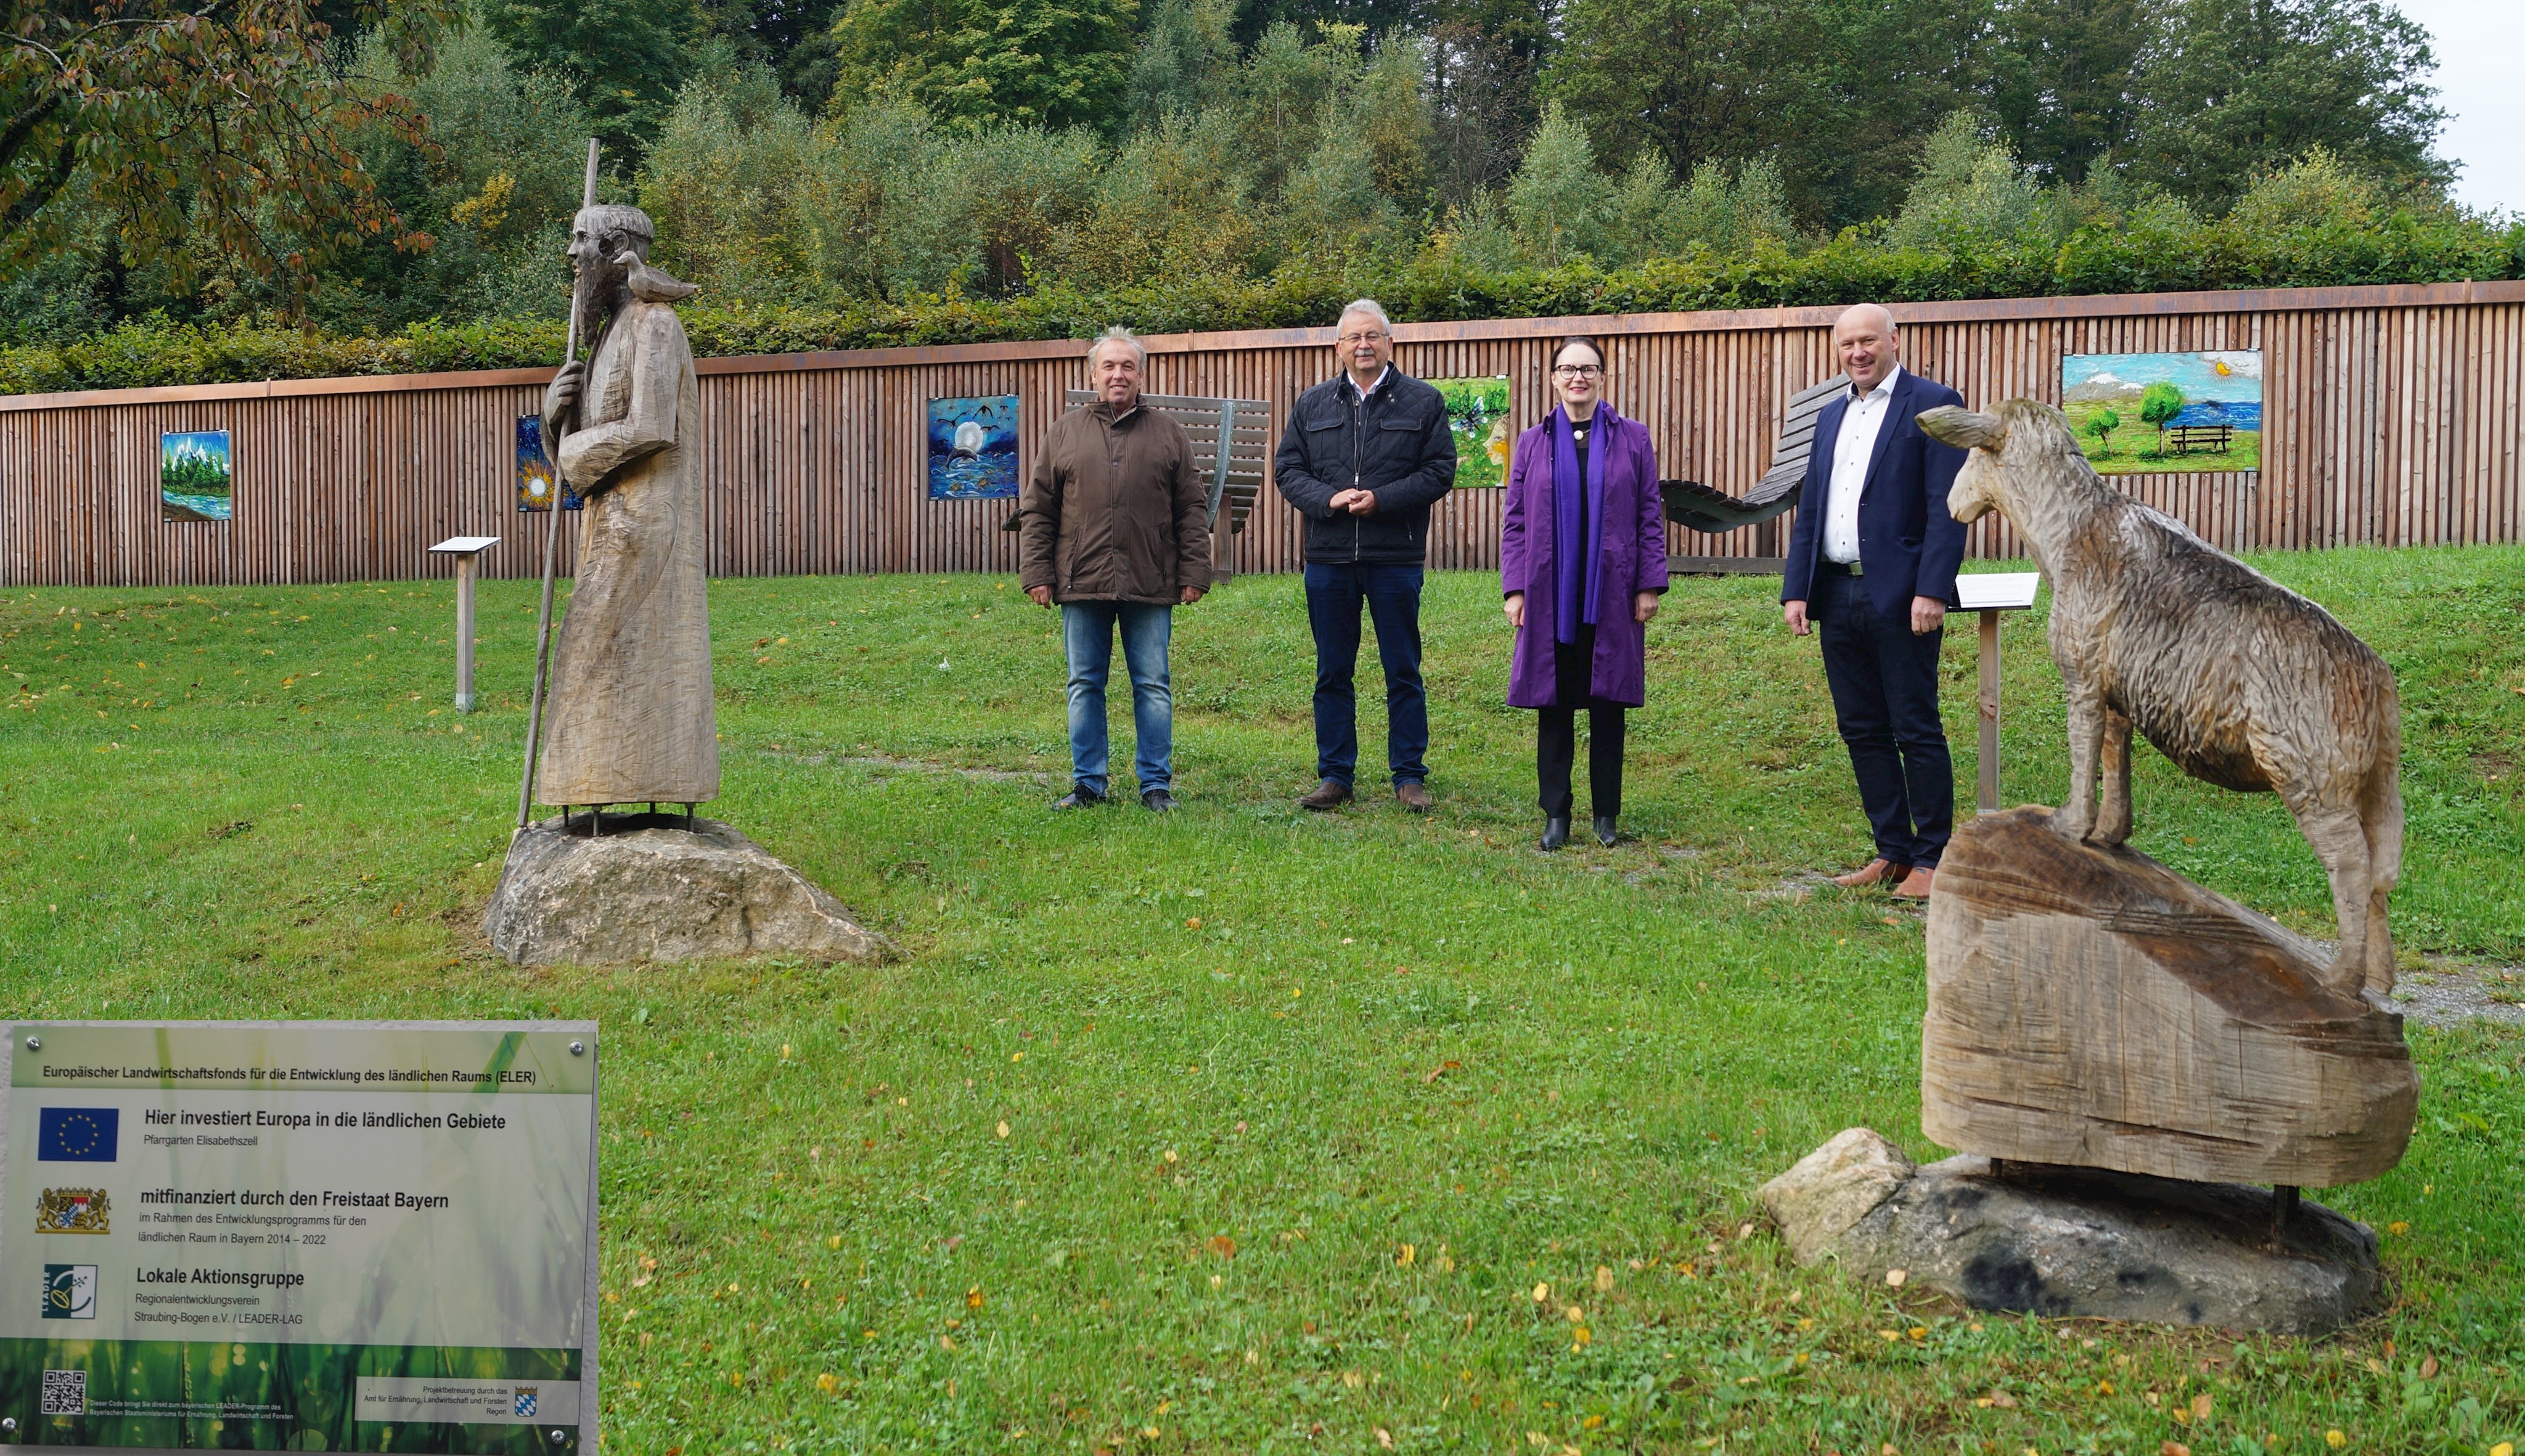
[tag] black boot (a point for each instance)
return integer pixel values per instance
(1555, 830)
(1606, 834)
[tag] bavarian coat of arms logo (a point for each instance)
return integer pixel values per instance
(71, 1210)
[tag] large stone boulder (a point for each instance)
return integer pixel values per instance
(649, 890)
(2075, 1241)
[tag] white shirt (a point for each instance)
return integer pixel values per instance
(1371, 389)
(1860, 424)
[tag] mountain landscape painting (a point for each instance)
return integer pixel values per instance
(193, 475)
(2153, 414)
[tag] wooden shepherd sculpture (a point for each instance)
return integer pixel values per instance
(2241, 681)
(631, 718)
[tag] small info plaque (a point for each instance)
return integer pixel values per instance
(299, 1236)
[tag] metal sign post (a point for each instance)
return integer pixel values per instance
(466, 550)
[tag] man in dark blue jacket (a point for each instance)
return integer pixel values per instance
(1364, 457)
(1872, 563)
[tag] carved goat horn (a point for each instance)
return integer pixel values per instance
(1962, 426)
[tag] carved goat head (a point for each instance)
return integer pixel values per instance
(1979, 485)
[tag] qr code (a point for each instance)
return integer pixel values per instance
(65, 1392)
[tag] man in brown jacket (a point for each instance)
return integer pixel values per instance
(1117, 529)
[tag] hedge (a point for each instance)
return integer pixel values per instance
(1850, 268)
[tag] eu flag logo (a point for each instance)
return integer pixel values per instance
(77, 1134)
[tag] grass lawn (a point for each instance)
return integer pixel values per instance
(1246, 1130)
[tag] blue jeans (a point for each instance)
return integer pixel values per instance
(1391, 595)
(1087, 634)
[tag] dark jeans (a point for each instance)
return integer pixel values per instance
(1391, 596)
(1884, 682)
(1556, 735)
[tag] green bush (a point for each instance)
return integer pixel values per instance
(2143, 251)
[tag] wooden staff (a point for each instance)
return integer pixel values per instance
(552, 542)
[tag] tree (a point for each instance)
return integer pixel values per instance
(2060, 82)
(1557, 199)
(224, 121)
(1837, 95)
(2235, 88)
(1042, 62)
(2159, 404)
(2102, 425)
(625, 59)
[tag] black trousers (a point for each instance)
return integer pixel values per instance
(1556, 735)
(1884, 682)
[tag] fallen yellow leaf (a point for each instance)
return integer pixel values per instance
(1895, 1276)
(1603, 1278)
(1003, 1128)
(827, 1382)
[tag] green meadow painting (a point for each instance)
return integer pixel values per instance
(1477, 412)
(2151, 414)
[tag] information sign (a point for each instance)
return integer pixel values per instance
(299, 1236)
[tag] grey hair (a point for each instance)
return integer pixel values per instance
(1368, 306)
(1117, 335)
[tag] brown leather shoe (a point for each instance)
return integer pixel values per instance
(1412, 795)
(1328, 795)
(1915, 885)
(1874, 872)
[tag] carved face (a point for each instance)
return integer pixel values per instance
(1976, 490)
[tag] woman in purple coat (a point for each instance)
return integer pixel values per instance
(1582, 560)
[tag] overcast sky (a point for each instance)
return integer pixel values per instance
(2480, 47)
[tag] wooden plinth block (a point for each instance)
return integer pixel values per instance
(2092, 1008)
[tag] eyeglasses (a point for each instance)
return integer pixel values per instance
(1577, 371)
(1371, 336)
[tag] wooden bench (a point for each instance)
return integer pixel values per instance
(2217, 440)
(1231, 446)
(1697, 507)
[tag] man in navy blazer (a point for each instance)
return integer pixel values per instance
(1872, 564)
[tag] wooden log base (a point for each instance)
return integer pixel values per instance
(2091, 1008)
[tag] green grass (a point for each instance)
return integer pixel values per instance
(1300, 1111)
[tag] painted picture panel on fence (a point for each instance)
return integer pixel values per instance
(193, 477)
(2151, 414)
(535, 474)
(1477, 409)
(973, 447)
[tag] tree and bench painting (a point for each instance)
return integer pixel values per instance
(2153, 414)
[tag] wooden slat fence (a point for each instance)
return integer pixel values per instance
(2392, 417)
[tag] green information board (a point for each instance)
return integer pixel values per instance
(299, 1236)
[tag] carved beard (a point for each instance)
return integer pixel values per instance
(596, 297)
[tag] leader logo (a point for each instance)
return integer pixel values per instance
(69, 1292)
(77, 1134)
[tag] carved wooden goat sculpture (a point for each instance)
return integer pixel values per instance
(2241, 681)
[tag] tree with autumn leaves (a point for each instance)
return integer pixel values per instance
(228, 119)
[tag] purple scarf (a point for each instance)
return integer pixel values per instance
(1578, 579)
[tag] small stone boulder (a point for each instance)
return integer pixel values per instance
(649, 890)
(1833, 1187)
(2033, 1239)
